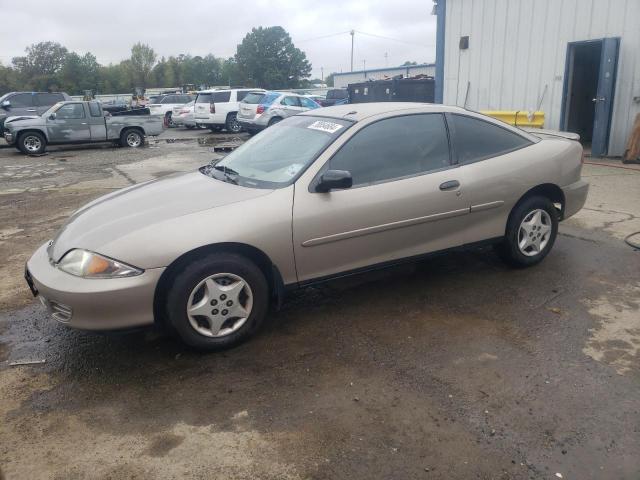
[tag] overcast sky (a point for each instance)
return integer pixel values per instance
(109, 28)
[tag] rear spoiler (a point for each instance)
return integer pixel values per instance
(541, 132)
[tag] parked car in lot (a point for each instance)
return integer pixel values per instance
(78, 122)
(27, 103)
(182, 115)
(336, 96)
(217, 109)
(323, 194)
(164, 104)
(261, 110)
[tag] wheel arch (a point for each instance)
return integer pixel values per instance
(549, 190)
(261, 259)
(32, 130)
(133, 127)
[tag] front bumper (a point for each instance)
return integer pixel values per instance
(575, 196)
(93, 304)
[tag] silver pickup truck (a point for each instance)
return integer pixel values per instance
(78, 122)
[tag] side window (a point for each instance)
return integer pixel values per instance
(221, 97)
(395, 148)
(290, 101)
(70, 111)
(21, 100)
(475, 139)
(48, 99)
(94, 109)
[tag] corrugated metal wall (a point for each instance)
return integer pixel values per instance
(517, 47)
(341, 80)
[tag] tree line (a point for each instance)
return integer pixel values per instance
(265, 58)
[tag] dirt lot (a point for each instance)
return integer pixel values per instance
(454, 368)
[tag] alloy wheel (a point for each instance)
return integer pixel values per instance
(534, 232)
(134, 139)
(32, 143)
(219, 305)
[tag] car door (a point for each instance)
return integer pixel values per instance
(22, 104)
(69, 124)
(407, 199)
(97, 125)
(495, 172)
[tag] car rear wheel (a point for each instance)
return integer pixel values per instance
(531, 232)
(274, 120)
(32, 143)
(131, 138)
(232, 124)
(217, 301)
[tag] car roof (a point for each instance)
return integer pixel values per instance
(231, 90)
(361, 111)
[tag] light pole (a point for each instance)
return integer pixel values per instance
(352, 32)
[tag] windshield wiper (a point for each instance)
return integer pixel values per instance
(229, 173)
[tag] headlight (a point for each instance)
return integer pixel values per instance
(83, 263)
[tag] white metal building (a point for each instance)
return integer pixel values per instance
(576, 60)
(341, 80)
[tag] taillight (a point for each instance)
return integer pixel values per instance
(212, 108)
(260, 109)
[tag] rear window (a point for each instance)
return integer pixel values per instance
(203, 98)
(269, 98)
(253, 98)
(240, 94)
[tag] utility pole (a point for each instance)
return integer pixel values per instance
(364, 66)
(386, 59)
(322, 74)
(352, 32)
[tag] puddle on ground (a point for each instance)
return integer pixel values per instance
(616, 340)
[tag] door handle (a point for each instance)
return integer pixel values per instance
(450, 185)
(31, 110)
(597, 99)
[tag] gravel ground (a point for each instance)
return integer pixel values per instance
(456, 367)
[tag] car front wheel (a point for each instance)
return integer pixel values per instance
(531, 232)
(217, 301)
(32, 143)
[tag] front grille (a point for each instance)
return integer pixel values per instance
(59, 311)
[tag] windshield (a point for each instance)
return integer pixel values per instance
(278, 156)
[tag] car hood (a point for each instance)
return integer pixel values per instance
(26, 119)
(137, 207)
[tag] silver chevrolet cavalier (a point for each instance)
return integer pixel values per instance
(327, 193)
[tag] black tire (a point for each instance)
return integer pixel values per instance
(232, 124)
(274, 120)
(31, 143)
(168, 121)
(509, 249)
(186, 280)
(190, 127)
(131, 137)
(252, 131)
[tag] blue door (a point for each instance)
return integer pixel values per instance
(604, 98)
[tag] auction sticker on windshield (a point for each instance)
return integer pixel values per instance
(325, 126)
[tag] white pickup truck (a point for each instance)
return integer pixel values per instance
(217, 109)
(78, 122)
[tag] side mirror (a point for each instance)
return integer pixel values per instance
(52, 116)
(334, 180)
(6, 104)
